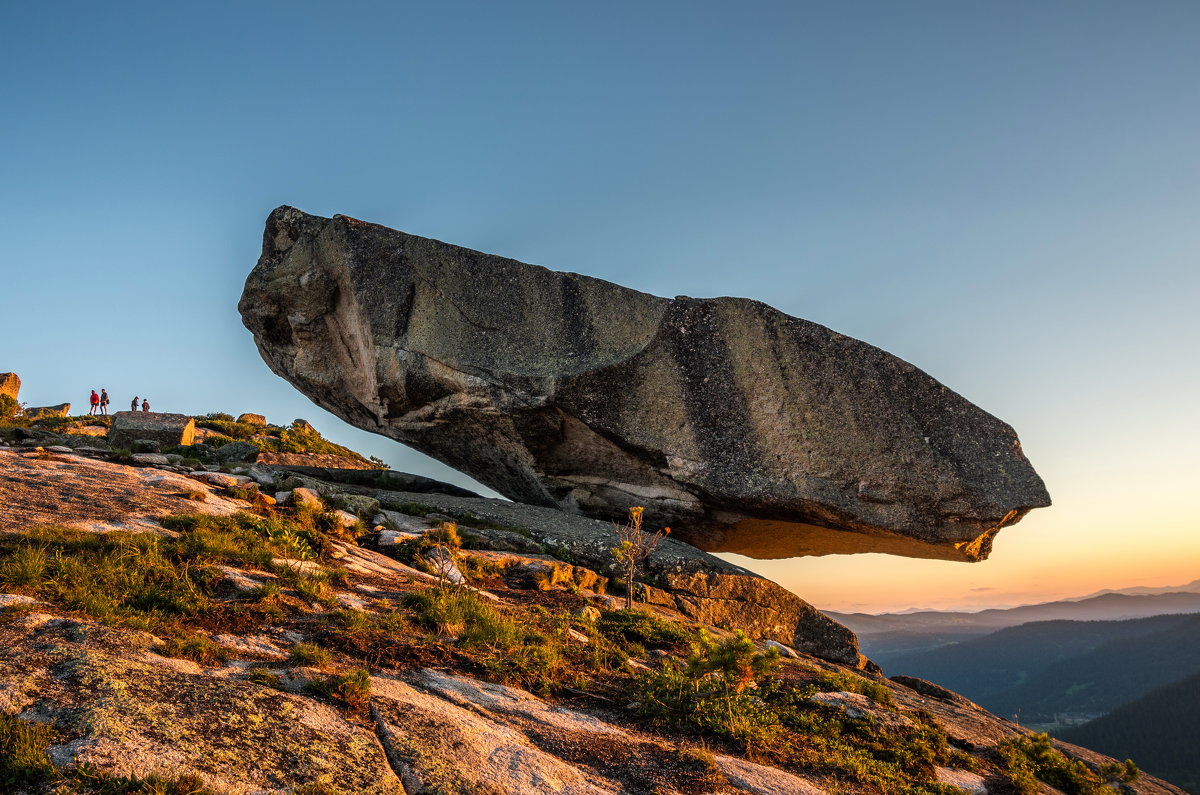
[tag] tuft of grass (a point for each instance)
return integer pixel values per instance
(194, 647)
(353, 688)
(262, 676)
(639, 626)
(23, 759)
(267, 592)
(26, 566)
(445, 534)
(309, 654)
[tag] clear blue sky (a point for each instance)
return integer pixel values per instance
(1005, 194)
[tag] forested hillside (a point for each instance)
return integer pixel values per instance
(1052, 667)
(1160, 731)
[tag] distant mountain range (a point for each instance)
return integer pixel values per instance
(1142, 590)
(1046, 668)
(883, 636)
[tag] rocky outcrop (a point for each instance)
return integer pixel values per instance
(42, 412)
(341, 674)
(697, 585)
(745, 429)
(156, 426)
(74, 491)
(10, 385)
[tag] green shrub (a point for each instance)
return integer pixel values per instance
(1033, 758)
(9, 408)
(709, 692)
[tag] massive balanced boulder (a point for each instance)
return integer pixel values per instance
(745, 429)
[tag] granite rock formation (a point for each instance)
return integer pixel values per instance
(38, 412)
(745, 429)
(10, 385)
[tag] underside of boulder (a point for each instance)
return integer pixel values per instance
(745, 429)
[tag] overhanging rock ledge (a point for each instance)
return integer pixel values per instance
(745, 429)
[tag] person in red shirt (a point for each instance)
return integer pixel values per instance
(95, 403)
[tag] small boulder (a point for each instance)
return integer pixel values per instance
(218, 479)
(145, 446)
(784, 651)
(150, 459)
(307, 498)
(345, 519)
(252, 419)
(442, 565)
(238, 451)
(965, 780)
(358, 504)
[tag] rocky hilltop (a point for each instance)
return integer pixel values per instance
(743, 428)
(268, 622)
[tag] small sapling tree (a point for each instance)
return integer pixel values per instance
(634, 547)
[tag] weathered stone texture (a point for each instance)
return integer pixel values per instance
(745, 429)
(252, 419)
(167, 429)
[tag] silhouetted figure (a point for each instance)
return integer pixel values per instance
(145, 405)
(94, 401)
(104, 402)
(133, 404)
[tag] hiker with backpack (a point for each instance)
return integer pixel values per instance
(104, 401)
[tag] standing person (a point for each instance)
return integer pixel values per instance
(104, 401)
(146, 405)
(133, 404)
(94, 400)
